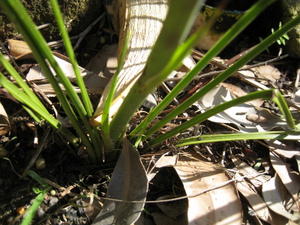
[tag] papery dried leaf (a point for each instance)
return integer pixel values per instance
(274, 194)
(93, 82)
(239, 92)
(18, 48)
(128, 183)
(290, 179)
(254, 177)
(188, 64)
(219, 206)
(166, 161)
(4, 121)
(256, 202)
(245, 115)
(267, 72)
(103, 65)
(285, 149)
(64, 64)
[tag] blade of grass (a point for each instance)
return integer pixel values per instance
(171, 36)
(11, 70)
(211, 138)
(69, 49)
(33, 110)
(223, 76)
(31, 211)
(95, 138)
(113, 83)
(31, 113)
(265, 94)
(25, 99)
(37, 178)
(18, 15)
(240, 25)
(283, 106)
(105, 126)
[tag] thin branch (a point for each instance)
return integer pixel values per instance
(234, 180)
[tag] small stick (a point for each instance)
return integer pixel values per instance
(37, 153)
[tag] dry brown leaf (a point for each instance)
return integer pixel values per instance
(166, 161)
(4, 121)
(236, 114)
(17, 48)
(35, 73)
(188, 64)
(219, 206)
(249, 77)
(255, 178)
(275, 195)
(279, 220)
(239, 92)
(128, 183)
(290, 179)
(245, 116)
(267, 72)
(256, 202)
(285, 149)
(94, 83)
(103, 66)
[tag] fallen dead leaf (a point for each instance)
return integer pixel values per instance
(17, 48)
(4, 121)
(36, 73)
(218, 206)
(255, 178)
(103, 65)
(129, 183)
(245, 116)
(267, 72)
(256, 202)
(275, 195)
(239, 92)
(285, 149)
(290, 179)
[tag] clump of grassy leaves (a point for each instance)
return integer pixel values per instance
(79, 110)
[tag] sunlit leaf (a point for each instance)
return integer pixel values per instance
(218, 206)
(274, 194)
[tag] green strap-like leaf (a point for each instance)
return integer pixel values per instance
(242, 23)
(172, 35)
(278, 135)
(265, 94)
(71, 54)
(223, 76)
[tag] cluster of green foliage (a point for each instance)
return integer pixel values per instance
(79, 109)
